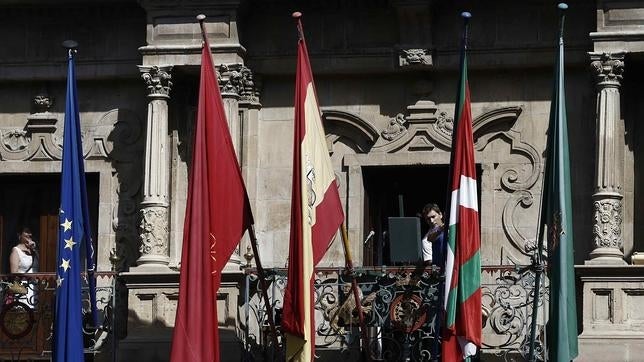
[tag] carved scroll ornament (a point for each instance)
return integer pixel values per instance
(607, 231)
(154, 231)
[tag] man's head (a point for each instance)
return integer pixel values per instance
(432, 215)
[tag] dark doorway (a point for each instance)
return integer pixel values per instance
(33, 200)
(385, 186)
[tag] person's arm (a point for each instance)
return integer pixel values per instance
(14, 261)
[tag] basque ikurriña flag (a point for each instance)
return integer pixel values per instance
(73, 231)
(217, 215)
(316, 212)
(462, 335)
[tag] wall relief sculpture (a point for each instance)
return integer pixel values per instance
(41, 138)
(15, 139)
(415, 57)
(395, 129)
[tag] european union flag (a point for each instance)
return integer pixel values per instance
(74, 231)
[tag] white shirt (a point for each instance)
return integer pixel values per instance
(24, 262)
(427, 247)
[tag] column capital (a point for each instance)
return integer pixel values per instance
(237, 80)
(157, 79)
(607, 68)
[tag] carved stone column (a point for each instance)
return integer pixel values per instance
(230, 83)
(235, 81)
(153, 228)
(609, 167)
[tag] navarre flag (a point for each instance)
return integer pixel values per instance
(316, 211)
(556, 213)
(462, 334)
(217, 215)
(74, 231)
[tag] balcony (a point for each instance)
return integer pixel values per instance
(402, 307)
(27, 312)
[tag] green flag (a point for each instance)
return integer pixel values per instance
(556, 213)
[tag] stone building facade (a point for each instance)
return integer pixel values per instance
(386, 74)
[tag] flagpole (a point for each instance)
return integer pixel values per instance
(538, 264)
(262, 284)
(251, 233)
(448, 194)
(354, 288)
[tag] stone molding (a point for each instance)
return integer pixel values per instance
(361, 133)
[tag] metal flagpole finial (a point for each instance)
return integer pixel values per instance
(562, 16)
(200, 19)
(466, 15)
(297, 16)
(71, 46)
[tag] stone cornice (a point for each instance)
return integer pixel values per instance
(191, 49)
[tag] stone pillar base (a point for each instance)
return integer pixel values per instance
(613, 319)
(606, 256)
(611, 347)
(152, 263)
(152, 298)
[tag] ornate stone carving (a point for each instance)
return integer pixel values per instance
(15, 139)
(154, 231)
(521, 243)
(42, 103)
(237, 79)
(607, 68)
(444, 124)
(414, 57)
(607, 231)
(395, 129)
(157, 79)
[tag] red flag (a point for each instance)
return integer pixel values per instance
(316, 212)
(217, 215)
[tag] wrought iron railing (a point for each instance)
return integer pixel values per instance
(27, 306)
(402, 308)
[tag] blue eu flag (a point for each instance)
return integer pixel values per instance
(73, 233)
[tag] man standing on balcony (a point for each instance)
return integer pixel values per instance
(433, 242)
